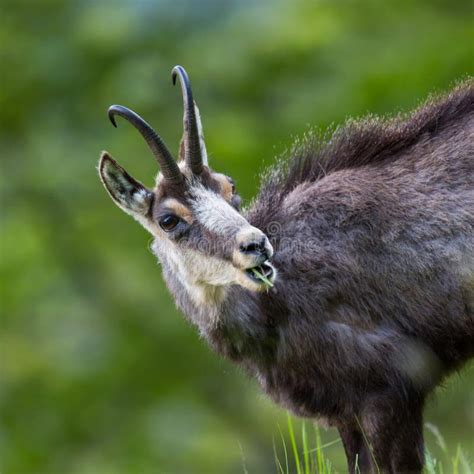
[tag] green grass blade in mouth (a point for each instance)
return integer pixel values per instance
(262, 277)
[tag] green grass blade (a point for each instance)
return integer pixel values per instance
(325, 445)
(244, 464)
(304, 438)
(294, 446)
(277, 461)
(356, 467)
(466, 466)
(456, 461)
(430, 463)
(262, 278)
(439, 438)
(319, 450)
(284, 450)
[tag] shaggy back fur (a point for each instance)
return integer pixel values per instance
(374, 240)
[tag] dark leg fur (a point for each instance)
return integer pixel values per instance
(358, 456)
(393, 430)
(408, 449)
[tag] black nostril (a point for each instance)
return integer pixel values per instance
(249, 248)
(253, 247)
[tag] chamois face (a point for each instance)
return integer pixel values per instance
(198, 229)
(192, 212)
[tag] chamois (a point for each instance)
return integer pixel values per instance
(347, 287)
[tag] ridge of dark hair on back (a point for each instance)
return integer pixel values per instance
(358, 143)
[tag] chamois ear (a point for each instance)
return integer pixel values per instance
(128, 193)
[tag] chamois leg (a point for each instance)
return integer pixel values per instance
(376, 424)
(358, 456)
(392, 430)
(408, 447)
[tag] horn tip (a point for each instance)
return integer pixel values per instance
(177, 70)
(111, 112)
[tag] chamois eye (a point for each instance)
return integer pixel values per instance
(169, 222)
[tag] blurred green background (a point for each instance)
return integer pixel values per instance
(99, 372)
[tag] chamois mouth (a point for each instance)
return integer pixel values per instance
(263, 274)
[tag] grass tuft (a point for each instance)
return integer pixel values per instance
(309, 457)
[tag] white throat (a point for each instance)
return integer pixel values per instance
(204, 278)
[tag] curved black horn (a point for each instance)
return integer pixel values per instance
(169, 167)
(192, 148)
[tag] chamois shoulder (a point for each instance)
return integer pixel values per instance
(369, 141)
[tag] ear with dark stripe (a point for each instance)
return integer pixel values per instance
(129, 194)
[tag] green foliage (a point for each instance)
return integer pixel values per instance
(315, 460)
(99, 372)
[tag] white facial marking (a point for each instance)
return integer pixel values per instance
(215, 213)
(205, 278)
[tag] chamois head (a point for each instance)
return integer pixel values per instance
(192, 212)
